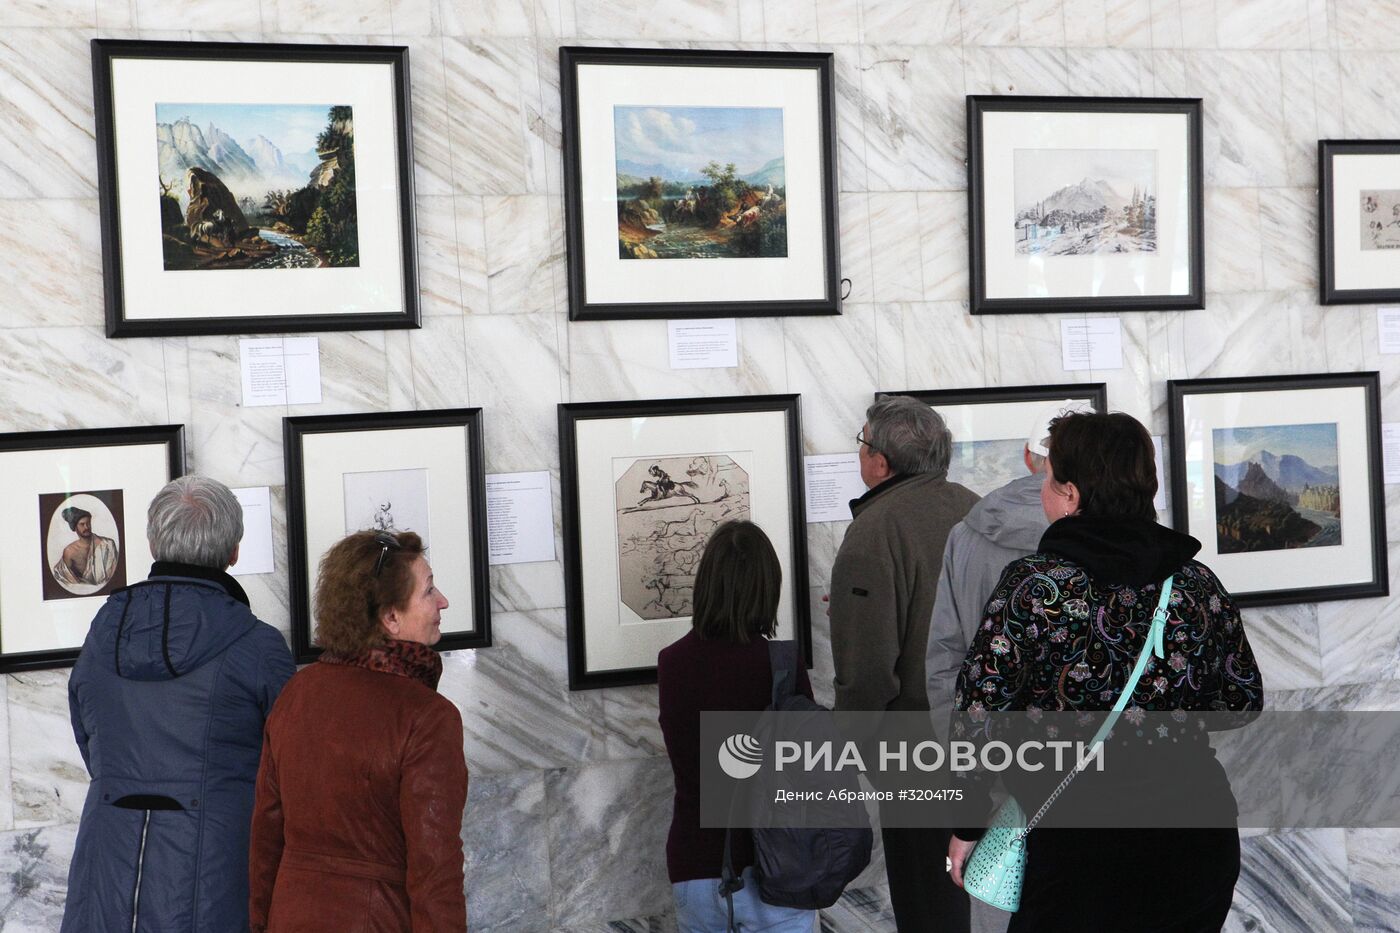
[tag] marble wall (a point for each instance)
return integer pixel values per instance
(570, 791)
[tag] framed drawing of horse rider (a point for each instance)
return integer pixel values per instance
(645, 484)
(285, 197)
(418, 471)
(76, 501)
(699, 183)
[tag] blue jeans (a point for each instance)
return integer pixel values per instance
(700, 909)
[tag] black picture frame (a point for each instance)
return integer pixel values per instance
(1025, 399)
(73, 477)
(822, 271)
(657, 443)
(1276, 577)
(357, 433)
(355, 300)
(1339, 255)
(1090, 294)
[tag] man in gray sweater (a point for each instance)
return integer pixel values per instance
(883, 584)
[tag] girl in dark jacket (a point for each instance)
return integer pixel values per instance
(1062, 632)
(358, 819)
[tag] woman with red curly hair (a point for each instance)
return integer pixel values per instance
(362, 785)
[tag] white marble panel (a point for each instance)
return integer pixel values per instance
(1264, 24)
(1288, 230)
(831, 363)
(1129, 387)
(1112, 72)
(1292, 881)
(354, 374)
(989, 22)
(1372, 855)
(485, 102)
(686, 20)
(432, 124)
(823, 540)
(7, 810)
(822, 674)
(1366, 105)
(439, 255)
(204, 15)
(1312, 89)
(1198, 24)
(73, 377)
(1240, 335)
(1041, 22)
(630, 360)
(48, 781)
(944, 347)
(890, 369)
(943, 244)
(1016, 71)
(1128, 23)
(522, 254)
(851, 142)
(415, 18)
(895, 257)
(1169, 76)
(113, 16)
(1166, 24)
(838, 21)
(268, 593)
(536, 585)
(469, 237)
(1243, 139)
(633, 726)
(854, 218)
(493, 18)
(928, 22)
(544, 134)
(505, 834)
(1024, 349)
(517, 710)
(64, 14)
(513, 365)
(53, 255)
(914, 116)
(1086, 23)
(240, 446)
(1360, 639)
(1234, 248)
(1286, 645)
(1366, 24)
(619, 813)
(556, 18)
(34, 877)
(437, 363)
(789, 21)
(46, 119)
(364, 17)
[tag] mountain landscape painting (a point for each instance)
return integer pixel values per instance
(1073, 202)
(1380, 219)
(257, 186)
(1276, 487)
(700, 182)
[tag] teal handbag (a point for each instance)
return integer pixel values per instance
(996, 869)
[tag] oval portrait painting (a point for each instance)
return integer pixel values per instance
(84, 551)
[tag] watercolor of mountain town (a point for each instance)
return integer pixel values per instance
(1072, 202)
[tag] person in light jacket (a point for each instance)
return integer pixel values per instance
(358, 821)
(168, 700)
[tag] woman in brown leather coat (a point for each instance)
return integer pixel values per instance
(357, 824)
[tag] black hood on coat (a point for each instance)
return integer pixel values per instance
(1120, 550)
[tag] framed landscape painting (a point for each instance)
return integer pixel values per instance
(77, 502)
(1084, 204)
(419, 471)
(1359, 211)
(249, 188)
(699, 183)
(1280, 478)
(645, 484)
(990, 426)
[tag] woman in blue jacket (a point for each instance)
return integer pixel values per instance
(168, 700)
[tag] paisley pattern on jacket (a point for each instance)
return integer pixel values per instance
(1052, 638)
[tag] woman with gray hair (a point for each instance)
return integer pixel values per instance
(168, 700)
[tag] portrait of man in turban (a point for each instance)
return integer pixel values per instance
(83, 552)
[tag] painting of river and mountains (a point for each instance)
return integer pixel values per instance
(1074, 202)
(1276, 487)
(700, 182)
(257, 186)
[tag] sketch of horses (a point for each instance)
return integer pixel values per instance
(663, 487)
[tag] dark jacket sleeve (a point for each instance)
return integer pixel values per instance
(76, 680)
(432, 796)
(865, 635)
(265, 841)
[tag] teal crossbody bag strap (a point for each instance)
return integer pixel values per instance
(1155, 645)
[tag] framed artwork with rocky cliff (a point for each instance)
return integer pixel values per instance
(1280, 479)
(1084, 204)
(645, 485)
(252, 188)
(699, 183)
(76, 503)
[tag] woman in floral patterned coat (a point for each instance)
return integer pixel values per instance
(1062, 632)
